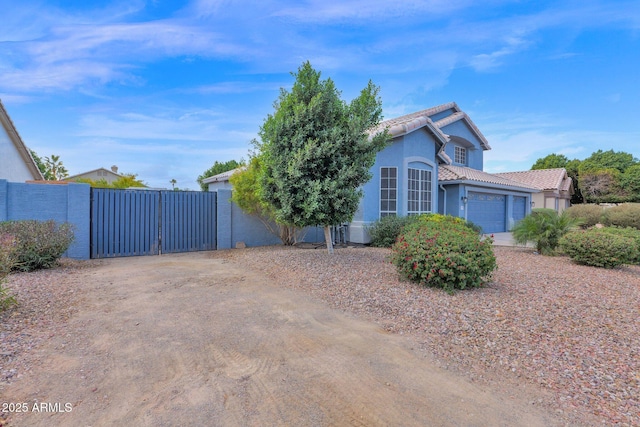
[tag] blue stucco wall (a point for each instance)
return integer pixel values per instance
(475, 156)
(415, 148)
(61, 203)
(234, 226)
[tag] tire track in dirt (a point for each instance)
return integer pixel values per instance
(190, 340)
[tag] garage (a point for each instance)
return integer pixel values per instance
(488, 211)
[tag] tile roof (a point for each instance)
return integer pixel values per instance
(462, 173)
(543, 179)
(410, 122)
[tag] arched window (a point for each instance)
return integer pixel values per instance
(419, 195)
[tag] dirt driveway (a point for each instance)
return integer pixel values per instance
(190, 340)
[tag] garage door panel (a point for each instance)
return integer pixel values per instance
(488, 211)
(519, 208)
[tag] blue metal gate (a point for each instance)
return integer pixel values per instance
(188, 221)
(148, 222)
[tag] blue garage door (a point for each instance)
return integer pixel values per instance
(519, 208)
(488, 211)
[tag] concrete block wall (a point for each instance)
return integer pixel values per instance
(235, 226)
(61, 203)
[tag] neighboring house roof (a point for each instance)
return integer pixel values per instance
(449, 174)
(543, 179)
(222, 177)
(14, 136)
(89, 173)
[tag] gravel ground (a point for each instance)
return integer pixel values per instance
(564, 335)
(544, 324)
(46, 299)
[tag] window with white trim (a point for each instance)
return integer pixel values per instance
(460, 155)
(388, 191)
(419, 191)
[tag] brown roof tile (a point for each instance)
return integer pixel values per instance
(543, 179)
(462, 173)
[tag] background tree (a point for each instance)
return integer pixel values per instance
(246, 195)
(608, 160)
(54, 168)
(572, 168)
(630, 182)
(173, 183)
(218, 167)
(602, 186)
(316, 152)
(552, 161)
(40, 164)
(125, 181)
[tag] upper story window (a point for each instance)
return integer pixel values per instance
(460, 155)
(388, 191)
(419, 191)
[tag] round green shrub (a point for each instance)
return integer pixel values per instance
(624, 215)
(599, 248)
(443, 253)
(589, 214)
(38, 244)
(630, 232)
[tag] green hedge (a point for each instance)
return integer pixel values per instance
(600, 248)
(589, 214)
(443, 253)
(624, 215)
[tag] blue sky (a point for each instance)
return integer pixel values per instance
(165, 88)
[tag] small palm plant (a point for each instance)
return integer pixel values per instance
(544, 227)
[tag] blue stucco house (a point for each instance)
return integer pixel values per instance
(434, 164)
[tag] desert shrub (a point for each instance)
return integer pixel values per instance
(630, 232)
(544, 227)
(38, 244)
(443, 253)
(386, 230)
(589, 214)
(625, 215)
(599, 248)
(7, 261)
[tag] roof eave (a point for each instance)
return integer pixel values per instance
(14, 136)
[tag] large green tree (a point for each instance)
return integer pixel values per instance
(552, 161)
(218, 167)
(317, 151)
(608, 160)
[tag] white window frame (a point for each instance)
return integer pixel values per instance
(388, 192)
(460, 155)
(419, 191)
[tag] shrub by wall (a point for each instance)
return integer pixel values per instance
(624, 215)
(599, 248)
(386, 230)
(7, 261)
(38, 244)
(443, 253)
(589, 214)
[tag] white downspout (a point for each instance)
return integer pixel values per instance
(444, 203)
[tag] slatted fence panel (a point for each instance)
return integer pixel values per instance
(188, 221)
(124, 223)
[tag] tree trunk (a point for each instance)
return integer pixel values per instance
(327, 238)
